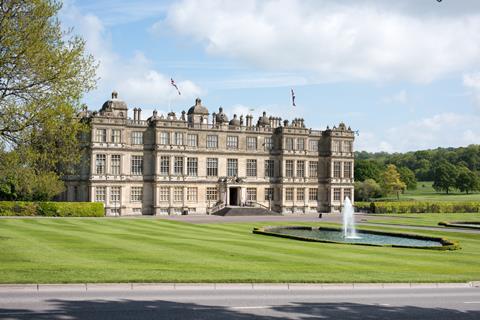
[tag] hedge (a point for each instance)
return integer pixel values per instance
(425, 207)
(51, 209)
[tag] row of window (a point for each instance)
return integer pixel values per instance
(342, 146)
(337, 169)
(136, 194)
(212, 166)
(337, 194)
(116, 136)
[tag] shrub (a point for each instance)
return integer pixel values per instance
(51, 209)
(362, 206)
(425, 207)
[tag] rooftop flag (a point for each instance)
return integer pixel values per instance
(175, 85)
(293, 98)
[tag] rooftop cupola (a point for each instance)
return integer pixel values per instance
(114, 107)
(197, 113)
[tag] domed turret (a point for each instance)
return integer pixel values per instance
(114, 106)
(235, 121)
(198, 108)
(221, 116)
(263, 121)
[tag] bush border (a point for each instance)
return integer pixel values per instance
(447, 244)
(460, 224)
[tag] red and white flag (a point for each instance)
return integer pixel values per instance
(293, 99)
(175, 85)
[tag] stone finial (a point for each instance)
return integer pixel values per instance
(241, 120)
(182, 117)
(198, 101)
(114, 95)
(154, 113)
(285, 123)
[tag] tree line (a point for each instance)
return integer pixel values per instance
(448, 168)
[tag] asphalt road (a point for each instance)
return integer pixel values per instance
(241, 303)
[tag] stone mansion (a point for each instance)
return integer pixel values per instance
(197, 163)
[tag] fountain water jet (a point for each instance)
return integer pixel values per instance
(349, 231)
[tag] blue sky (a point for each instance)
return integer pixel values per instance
(406, 74)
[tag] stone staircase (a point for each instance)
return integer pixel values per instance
(245, 211)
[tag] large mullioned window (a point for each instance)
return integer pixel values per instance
(100, 163)
(212, 167)
(232, 167)
(251, 167)
(137, 165)
(212, 142)
(192, 167)
(164, 165)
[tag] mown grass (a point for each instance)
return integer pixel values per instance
(76, 250)
(423, 219)
(425, 192)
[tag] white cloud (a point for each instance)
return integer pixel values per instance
(472, 82)
(441, 130)
(400, 97)
(137, 82)
(336, 40)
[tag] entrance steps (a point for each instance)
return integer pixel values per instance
(245, 211)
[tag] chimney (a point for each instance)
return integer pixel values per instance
(134, 114)
(138, 115)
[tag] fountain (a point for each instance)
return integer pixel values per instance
(349, 231)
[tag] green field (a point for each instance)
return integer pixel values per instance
(77, 250)
(425, 192)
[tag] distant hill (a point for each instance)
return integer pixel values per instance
(421, 162)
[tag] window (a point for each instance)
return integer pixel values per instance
(300, 144)
(115, 195)
(192, 140)
(313, 194)
(212, 142)
(336, 194)
(336, 169)
(288, 143)
(178, 166)
(251, 194)
(232, 167)
(269, 194)
(164, 138)
(164, 194)
(347, 146)
(336, 146)
(347, 169)
(136, 194)
(212, 194)
(313, 145)
(300, 168)
(300, 194)
(269, 168)
(137, 165)
(178, 138)
(164, 165)
(232, 142)
(251, 168)
(178, 194)
(192, 194)
(100, 163)
(268, 143)
(115, 164)
(289, 168)
(137, 137)
(192, 167)
(251, 143)
(313, 169)
(116, 136)
(101, 135)
(100, 193)
(289, 194)
(347, 193)
(212, 167)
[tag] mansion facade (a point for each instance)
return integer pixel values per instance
(198, 163)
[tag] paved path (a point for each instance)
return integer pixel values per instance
(240, 303)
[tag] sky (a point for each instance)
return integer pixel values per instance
(405, 74)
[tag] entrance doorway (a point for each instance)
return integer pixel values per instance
(234, 195)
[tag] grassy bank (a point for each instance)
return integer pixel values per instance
(425, 219)
(146, 250)
(425, 192)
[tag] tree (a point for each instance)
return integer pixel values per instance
(466, 180)
(391, 181)
(367, 189)
(444, 176)
(44, 72)
(408, 177)
(367, 169)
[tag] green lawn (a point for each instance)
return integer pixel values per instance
(425, 192)
(424, 219)
(59, 250)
